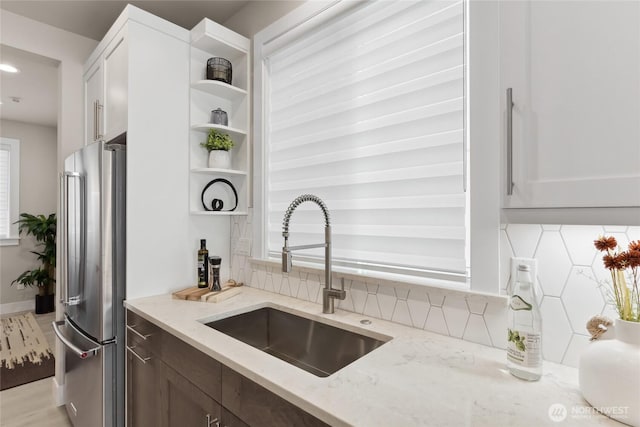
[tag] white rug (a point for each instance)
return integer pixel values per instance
(25, 355)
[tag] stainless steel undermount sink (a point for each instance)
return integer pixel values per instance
(316, 347)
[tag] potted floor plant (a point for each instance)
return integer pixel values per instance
(43, 229)
(218, 145)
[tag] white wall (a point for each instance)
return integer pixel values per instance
(257, 15)
(37, 196)
(71, 50)
(68, 48)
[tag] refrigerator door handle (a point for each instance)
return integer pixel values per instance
(82, 353)
(64, 207)
(62, 236)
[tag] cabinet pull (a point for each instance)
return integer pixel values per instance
(140, 358)
(509, 141)
(144, 337)
(211, 422)
(99, 135)
(95, 120)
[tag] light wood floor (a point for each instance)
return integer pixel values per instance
(32, 404)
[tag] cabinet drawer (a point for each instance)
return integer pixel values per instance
(202, 370)
(143, 335)
(258, 406)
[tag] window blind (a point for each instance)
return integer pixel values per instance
(5, 165)
(366, 111)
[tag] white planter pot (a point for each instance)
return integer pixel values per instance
(220, 159)
(609, 372)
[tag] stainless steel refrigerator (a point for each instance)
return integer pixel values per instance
(92, 233)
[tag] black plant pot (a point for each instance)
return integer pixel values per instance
(45, 304)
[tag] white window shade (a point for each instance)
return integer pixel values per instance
(367, 112)
(5, 164)
(9, 187)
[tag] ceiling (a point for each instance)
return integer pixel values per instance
(36, 86)
(37, 83)
(92, 18)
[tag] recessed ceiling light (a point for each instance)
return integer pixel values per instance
(8, 68)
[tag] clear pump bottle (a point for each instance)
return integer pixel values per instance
(524, 346)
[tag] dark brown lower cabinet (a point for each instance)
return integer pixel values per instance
(143, 390)
(186, 404)
(171, 384)
(258, 406)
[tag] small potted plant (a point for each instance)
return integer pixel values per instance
(43, 229)
(218, 145)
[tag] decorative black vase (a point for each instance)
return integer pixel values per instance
(219, 69)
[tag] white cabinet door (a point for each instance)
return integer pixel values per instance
(116, 89)
(575, 72)
(93, 102)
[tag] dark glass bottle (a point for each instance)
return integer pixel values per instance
(203, 265)
(214, 282)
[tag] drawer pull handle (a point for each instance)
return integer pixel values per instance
(144, 337)
(140, 358)
(211, 422)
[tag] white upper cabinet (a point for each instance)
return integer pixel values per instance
(105, 92)
(115, 86)
(93, 102)
(574, 70)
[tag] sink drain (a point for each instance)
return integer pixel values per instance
(365, 321)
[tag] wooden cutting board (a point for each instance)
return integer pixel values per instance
(191, 294)
(195, 293)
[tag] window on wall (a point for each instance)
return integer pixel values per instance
(365, 108)
(9, 190)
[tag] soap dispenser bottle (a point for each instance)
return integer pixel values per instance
(524, 346)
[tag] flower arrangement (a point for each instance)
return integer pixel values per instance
(217, 141)
(625, 297)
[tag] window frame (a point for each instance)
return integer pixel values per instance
(13, 146)
(482, 122)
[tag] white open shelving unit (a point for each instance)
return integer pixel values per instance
(208, 40)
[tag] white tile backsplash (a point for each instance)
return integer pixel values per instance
(524, 238)
(556, 330)
(554, 264)
(576, 346)
(581, 297)
(456, 313)
(579, 242)
(436, 322)
(419, 306)
(568, 273)
(476, 330)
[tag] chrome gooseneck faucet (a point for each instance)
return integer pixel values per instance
(328, 293)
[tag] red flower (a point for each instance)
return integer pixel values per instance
(634, 246)
(604, 243)
(633, 258)
(612, 262)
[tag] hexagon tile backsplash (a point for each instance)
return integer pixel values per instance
(569, 269)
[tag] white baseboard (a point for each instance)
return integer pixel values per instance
(16, 307)
(58, 393)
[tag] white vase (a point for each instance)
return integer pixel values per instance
(220, 159)
(609, 372)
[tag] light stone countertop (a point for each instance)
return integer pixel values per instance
(416, 379)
